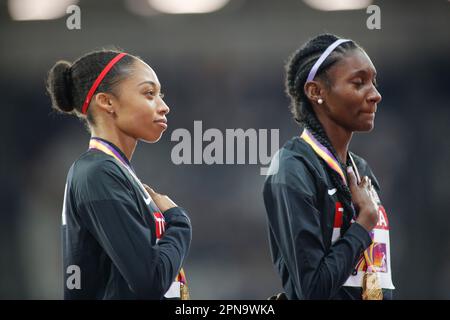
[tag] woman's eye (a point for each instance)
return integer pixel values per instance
(358, 82)
(152, 94)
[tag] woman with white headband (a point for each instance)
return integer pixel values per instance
(328, 231)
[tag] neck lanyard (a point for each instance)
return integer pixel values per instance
(108, 149)
(328, 157)
(323, 153)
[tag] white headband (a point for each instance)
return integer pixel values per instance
(322, 58)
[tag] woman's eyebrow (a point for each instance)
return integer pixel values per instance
(148, 82)
(364, 72)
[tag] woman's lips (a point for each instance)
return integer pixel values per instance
(369, 114)
(162, 123)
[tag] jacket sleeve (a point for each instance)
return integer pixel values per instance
(296, 225)
(112, 216)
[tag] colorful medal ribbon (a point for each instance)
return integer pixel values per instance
(324, 153)
(371, 285)
(108, 149)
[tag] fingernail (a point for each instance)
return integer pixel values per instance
(349, 169)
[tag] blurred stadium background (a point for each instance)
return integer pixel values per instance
(225, 68)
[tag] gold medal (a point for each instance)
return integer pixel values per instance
(184, 292)
(371, 284)
(371, 287)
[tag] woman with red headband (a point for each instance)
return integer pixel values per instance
(121, 239)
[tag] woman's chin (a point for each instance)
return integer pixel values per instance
(152, 138)
(366, 127)
(366, 123)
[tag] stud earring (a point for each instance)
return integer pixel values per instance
(320, 101)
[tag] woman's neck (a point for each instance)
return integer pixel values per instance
(124, 142)
(339, 137)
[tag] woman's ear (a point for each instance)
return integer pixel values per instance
(313, 90)
(104, 101)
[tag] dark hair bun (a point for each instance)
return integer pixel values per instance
(59, 86)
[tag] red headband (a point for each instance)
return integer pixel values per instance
(99, 80)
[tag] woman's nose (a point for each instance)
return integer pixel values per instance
(164, 108)
(375, 96)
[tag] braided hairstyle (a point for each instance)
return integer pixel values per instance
(68, 83)
(297, 70)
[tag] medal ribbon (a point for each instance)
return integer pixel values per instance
(324, 153)
(368, 256)
(106, 148)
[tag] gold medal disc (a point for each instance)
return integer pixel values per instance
(371, 287)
